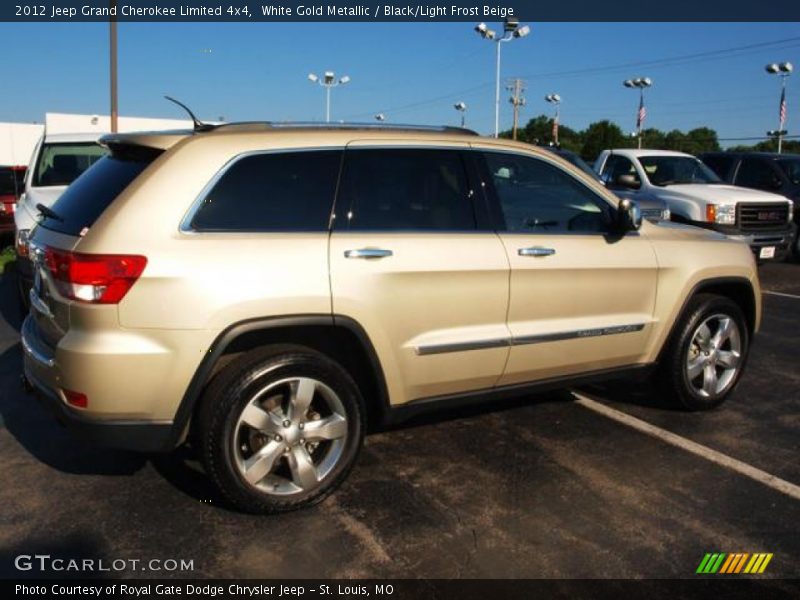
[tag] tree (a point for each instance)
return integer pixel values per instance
(601, 135)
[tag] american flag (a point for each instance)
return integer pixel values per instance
(555, 130)
(642, 114)
(782, 109)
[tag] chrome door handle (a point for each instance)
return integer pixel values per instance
(367, 253)
(536, 251)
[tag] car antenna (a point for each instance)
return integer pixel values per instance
(197, 124)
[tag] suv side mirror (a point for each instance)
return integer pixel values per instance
(629, 215)
(627, 181)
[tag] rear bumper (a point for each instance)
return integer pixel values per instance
(41, 373)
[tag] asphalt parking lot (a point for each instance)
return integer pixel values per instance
(546, 487)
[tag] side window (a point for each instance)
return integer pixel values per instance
(404, 189)
(720, 164)
(757, 174)
(290, 191)
(616, 166)
(537, 197)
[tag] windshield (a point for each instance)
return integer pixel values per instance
(791, 167)
(578, 162)
(674, 170)
(61, 164)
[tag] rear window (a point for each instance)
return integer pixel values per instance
(91, 193)
(61, 164)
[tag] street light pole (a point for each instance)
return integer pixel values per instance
(462, 108)
(555, 99)
(112, 24)
(512, 30)
(782, 70)
(328, 81)
(641, 83)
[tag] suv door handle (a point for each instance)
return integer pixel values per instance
(536, 251)
(367, 253)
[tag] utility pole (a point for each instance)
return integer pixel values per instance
(517, 88)
(112, 24)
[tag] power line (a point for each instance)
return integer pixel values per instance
(680, 59)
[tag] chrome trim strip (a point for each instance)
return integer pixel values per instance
(580, 333)
(462, 346)
(527, 339)
(36, 355)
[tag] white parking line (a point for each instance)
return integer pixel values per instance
(776, 483)
(783, 295)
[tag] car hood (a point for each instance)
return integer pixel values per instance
(688, 232)
(722, 194)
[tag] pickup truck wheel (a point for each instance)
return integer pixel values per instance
(280, 429)
(707, 353)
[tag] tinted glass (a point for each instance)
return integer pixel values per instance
(791, 167)
(720, 164)
(61, 164)
(536, 197)
(757, 173)
(674, 170)
(91, 193)
(405, 190)
(11, 181)
(290, 191)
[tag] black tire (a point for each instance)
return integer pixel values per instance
(675, 382)
(226, 444)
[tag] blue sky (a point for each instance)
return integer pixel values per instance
(412, 72)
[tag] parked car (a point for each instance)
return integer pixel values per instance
(652, 209)
(770, 172)
(11, 186)
(265, 291)
(57, 161)
(697, 196)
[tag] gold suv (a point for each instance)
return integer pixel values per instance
(265, 291)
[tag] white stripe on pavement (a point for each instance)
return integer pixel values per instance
(776, 483)
(781, 294)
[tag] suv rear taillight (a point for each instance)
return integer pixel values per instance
(93, 278)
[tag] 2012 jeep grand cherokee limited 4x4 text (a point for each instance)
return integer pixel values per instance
(264, 291)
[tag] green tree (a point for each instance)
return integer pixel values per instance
(601, 135)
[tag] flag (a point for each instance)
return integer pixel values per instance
(642, 114)
(555, 130)
(782, 109)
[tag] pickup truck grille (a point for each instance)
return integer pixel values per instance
(762, 217)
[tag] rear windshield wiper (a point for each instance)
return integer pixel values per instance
(49, 212)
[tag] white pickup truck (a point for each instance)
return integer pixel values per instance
(695, 195)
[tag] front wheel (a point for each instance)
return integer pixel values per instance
(280, 429)
(707, 353)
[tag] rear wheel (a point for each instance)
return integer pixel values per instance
(707, 353)
(280, 429)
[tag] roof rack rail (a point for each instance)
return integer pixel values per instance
(345, 126)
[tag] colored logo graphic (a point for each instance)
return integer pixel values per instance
(739, 562)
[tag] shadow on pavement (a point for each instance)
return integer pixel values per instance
(10, 310)
(75, 546)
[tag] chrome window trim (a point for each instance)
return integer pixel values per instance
(525, 340)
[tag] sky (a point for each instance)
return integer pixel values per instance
(411, 72)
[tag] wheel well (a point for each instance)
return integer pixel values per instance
(337, 342)
(739, 292)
